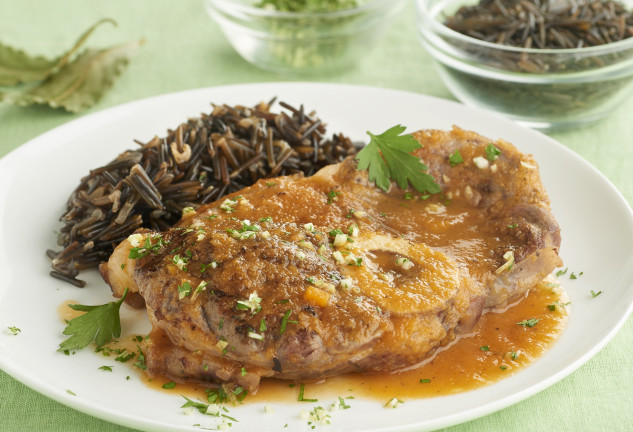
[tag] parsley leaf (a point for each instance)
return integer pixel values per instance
(388, 157)
(529, 322)
(455, 158)
(492, 152)
(99, 323)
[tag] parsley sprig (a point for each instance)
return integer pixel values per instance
(388, 157)
(99, 323)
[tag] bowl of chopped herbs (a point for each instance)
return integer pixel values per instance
(303, 37)
(548, 64)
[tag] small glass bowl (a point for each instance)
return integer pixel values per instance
(300, 43)
(541, 88)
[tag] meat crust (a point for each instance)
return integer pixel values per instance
(301, 278)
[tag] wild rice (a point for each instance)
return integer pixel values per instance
(198, 162)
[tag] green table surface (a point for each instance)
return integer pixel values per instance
(184, 49)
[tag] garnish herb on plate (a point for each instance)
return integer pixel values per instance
(388, 157)
(13, 331)
(529, 322)
(99, 323)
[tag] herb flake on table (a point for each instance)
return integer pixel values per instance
(73, 81)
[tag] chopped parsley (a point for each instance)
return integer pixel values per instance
(99, 323)
(492, 152)
(388, 157)
(252, 304)
(485, 348)
(106, 368)
(512, 226)
(559, 273)
(595, 294)
(184, 290)
(169, 385)
(13, 331)
(285, 321)
(455, 158)
(332, 196)
(529, 322)
(148, 247)
(213, 264)
(301, 398)
(424, 380)
(140, 360)
(180, 262)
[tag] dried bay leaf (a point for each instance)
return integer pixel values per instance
(16, 66)
(80, 83)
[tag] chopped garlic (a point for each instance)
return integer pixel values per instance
(386, 277)
(353, 231)
(300, 255)
(322, 284)
(435, 208)
(254, 335)
(306, 245)
(527, 165)
(481, 162)
(253, 303)
(222, 344)
(350, 258)
(338, 257)
(340, 240)
(347, 283)
(265, 234)
(213, 409)
(360, 214)
(393, 403)
(309, 227)
(509, 257)
(135, 239)
(493, 168)
(228, 205)
(268, 409)
(405, 263)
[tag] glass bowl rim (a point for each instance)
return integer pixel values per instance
(236, 6)
(438, 28)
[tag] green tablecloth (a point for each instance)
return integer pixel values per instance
(184, 49)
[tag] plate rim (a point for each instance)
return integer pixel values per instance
(470, 414)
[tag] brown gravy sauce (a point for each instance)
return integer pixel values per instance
(497, 348)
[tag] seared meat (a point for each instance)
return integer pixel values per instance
(310, 277)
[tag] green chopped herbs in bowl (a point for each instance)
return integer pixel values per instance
(303, 37)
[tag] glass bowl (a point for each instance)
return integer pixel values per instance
(540, 88)
(302, 43)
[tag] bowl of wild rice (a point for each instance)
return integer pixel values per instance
(548, 64)
(303, 37)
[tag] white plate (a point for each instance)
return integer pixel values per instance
(36, 179)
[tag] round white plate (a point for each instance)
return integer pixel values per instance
(37, 178)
